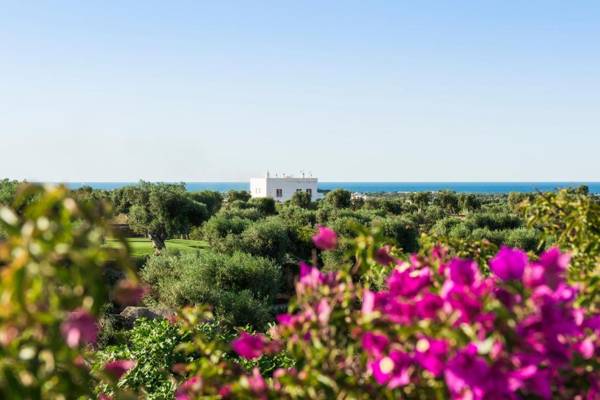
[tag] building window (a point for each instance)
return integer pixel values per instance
(309, 191)
(298, 190)
(278, 192)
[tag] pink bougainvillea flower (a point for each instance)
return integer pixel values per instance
(463, 272)
(555, 260)
(531, 379)
(118, 368)
(383, 257)
(565, 292)
(408, 283)
(586, 348)
(323, 311)
(374, 343)
(399, 312)
(509, 264)
(249, 346)
(467, 373)
(256, 383)
(225, 391)
(285, 319)
(391, 370)
(431, 354)
(549, 270)
(554, 318)
(305, 269)
(325, 238)
(188, 388)
(593, 323)
(464, 300)
(79, 328)
(310, 276)
(506, 297)
(390, 307)
(368, 304)
(128, 293)
(429, 305)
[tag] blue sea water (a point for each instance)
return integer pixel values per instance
(382, 187)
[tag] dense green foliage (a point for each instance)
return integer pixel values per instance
(153, 344)
(8, 191)
(472, 225)
(241, 287)
(161, 211)
(571, 220)
(212, 200)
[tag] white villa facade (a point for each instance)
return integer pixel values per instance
(283, 188)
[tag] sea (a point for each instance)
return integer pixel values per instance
(380, 187)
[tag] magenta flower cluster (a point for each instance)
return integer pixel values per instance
(516, 333)
(512, 334)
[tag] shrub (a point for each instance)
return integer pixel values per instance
(264, 205)
(240, 287)
(297, 216)
(153, 344)
(236, 205)
(444, 226)
(420, 199)
(402, 232)
(301, 199)
(267, 238)
(339, 198)
(447, 200)
(220, 226)
(524, 238)
(495, 220)
(8, 191)
(237, 195)
(212, 200)
(469, 202)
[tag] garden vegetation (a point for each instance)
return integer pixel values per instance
(421, 295)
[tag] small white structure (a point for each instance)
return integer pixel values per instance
(283, 188)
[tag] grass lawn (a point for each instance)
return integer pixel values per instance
(141, 247)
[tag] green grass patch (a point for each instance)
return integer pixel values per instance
(141, 247)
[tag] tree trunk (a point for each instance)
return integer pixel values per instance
(158, 241)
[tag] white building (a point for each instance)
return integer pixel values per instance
(283, 188)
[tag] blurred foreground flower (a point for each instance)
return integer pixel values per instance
(129, 293)
(118, 368)
(79, 328)
(249, 346)
(325, 238)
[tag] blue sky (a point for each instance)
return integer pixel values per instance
(353, 90)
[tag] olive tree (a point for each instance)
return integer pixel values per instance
(301, 199)
(161, 211)
(339, 198)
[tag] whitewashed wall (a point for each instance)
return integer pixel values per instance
(267, 187)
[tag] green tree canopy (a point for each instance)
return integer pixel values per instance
(161, 211)
(339, 198)
(301, 199)
(234, 195)
(213, 200)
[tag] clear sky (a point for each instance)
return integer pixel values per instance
(350, 90)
